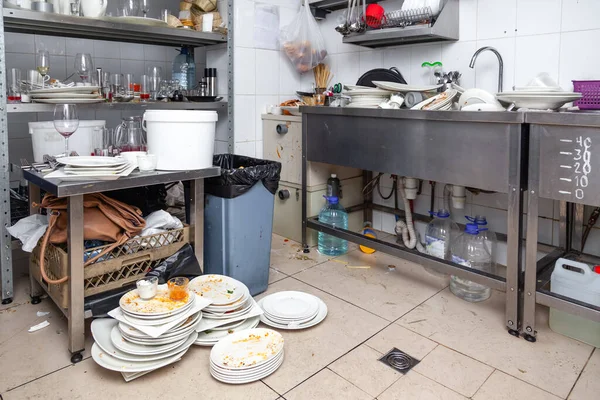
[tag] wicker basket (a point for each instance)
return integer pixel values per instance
(124, 265)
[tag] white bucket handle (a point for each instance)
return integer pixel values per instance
(578, 270)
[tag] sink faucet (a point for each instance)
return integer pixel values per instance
(500, 62)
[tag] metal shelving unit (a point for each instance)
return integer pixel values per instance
(107, 28)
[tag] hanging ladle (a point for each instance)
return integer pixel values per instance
(355, 23)
(363, 18)
(343, 27)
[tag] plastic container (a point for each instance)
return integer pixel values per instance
(333, 186)
(370, 233)
(578, 281)
(489, 236)
(439, 234)
(332, 214)
(46, 140)
(184, 69)
(591, 94)
(471, 250)
(180, 139)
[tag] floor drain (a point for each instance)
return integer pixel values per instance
(399, 360)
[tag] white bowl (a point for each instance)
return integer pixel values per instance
(132, 156)
(483, 107)
(476, 96)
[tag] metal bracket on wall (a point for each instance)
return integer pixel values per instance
(230, 97)
(6, 272)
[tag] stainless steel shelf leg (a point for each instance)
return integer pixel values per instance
(34, 201)
(75, 271)
(304, 182)
(197, 219)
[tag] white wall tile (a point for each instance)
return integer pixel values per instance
(398, 57)
(261, 108)
(369, 60)
(486, 66)
(56, 46)
(267, 72)
(347, 67)
(157, 53)
(576, 60)
(107, 64)
(532, 57)
(419, 55)
(289, 78)
(259, 149)
(23, 62)
(243, 32)
(75, 45)
(456, 57)
(245, 149)
(221, 147)
(579, 15)
(135, 67)
(496, 19)
(497, 219)
(244, 71)
(467, 20)
(131, 51)
(535, 17)
(218, 59)
(244, 118)
(106, 49)
(19, 43)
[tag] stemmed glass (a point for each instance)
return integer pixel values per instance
(84, 66)
(128, 8)
(145, 7)
(43, 64)
(66, 122)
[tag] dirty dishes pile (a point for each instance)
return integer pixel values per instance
(146, 334)
(441, 102)
(292, 310)
(247, 356)
(232, 309)
(367, 98)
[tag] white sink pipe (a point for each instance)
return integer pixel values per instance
(406, 230)
(458, 195)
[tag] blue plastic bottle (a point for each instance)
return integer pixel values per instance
(333, 214)
(184, 69)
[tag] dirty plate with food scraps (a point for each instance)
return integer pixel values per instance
(159, 306)
(221, 289)
(223, 308)
(212, 337)
(247, 348)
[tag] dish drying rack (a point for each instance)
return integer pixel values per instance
(404, 18)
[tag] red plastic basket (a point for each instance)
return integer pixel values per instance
(590, 91)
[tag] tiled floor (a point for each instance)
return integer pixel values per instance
(463, 349)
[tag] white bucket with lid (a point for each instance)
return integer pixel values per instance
(46, 140)
(181, 139)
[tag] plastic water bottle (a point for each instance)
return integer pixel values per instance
(470, 250)
(488, 235)
(439, 234)
(333, 214)
(184, 69)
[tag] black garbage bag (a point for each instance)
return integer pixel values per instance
(146, 198)
(240, 173)
(182, 263)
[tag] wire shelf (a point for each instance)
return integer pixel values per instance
(404, 18)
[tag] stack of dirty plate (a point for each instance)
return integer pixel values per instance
(441, 102)
(292, 310)
(247, 356)
(85, 168)
(146, 334)
(367, 97)
(232, 309)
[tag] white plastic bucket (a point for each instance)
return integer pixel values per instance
(46, 140)
(181, 139)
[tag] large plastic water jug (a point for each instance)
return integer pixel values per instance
(578, 281)
(332, 214)
(439, 234)
(471, 250)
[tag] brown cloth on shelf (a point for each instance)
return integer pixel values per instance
(104, 219)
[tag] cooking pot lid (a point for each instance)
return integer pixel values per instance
(380, 74)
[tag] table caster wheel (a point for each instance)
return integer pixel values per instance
(36, 300)
(76, 357)
(7, 301)
(306, 249)
(530, 338)
(514, 332)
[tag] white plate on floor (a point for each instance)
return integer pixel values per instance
(399, 87)
(251, 372)
(317, 320)
(91, 161)
(132, 332)
(73, 89)
(130, 348)
(70, 100)
(229, 326)
(101, 329)
(160, 306)
(232, 314)
(221, 289)
(244, 379)
(158, 341)
(231, 306)
(107, 361)
(246, 348)
(291, 305)
(214, 336)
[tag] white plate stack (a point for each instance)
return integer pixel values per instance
(85, 168)
(232, 309)
(147, 334)
(67, 95)
(247, 356)
(441, 102)
(367, 98)
(292, 310)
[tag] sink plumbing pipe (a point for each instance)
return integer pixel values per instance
(406, 229)
(457, 193)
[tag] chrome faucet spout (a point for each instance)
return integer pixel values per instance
(500, 63)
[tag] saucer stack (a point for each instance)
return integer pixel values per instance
(232, 309)
(146, 334)
(292, 310)
(247, 356)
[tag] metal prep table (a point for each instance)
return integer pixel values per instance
(74, 192)
(482, 150)
(564, 155)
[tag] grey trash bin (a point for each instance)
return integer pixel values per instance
(238, 219)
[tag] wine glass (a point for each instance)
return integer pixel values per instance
(84, 66)
(43, 64)
(128, 8)
(66, 122)
(145, 7)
